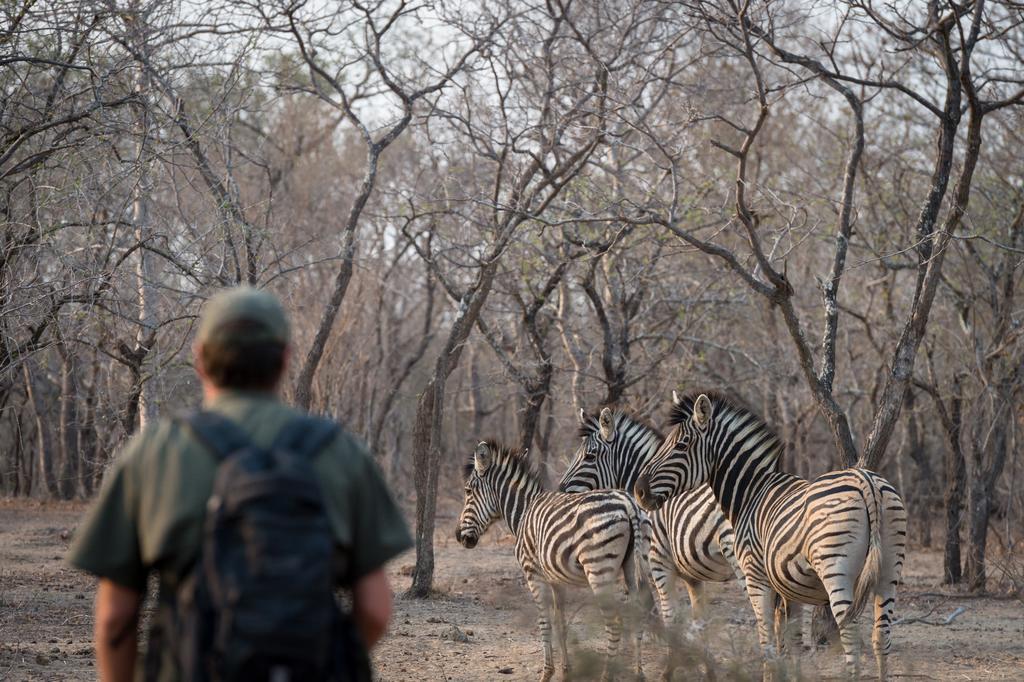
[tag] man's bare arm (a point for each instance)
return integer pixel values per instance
(117, 617)
(371, 606)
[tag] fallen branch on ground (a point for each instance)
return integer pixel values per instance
(949, 619)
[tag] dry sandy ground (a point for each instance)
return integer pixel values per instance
(45, 618)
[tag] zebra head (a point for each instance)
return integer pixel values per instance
(683, 462)
(481, 507)
(591, 468)
(614, 447)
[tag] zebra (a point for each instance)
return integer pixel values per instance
(561, 540)
(835, 540)
(691, 539)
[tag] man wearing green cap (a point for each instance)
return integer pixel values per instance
(150, 511)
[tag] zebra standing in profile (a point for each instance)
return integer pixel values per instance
(691, 539)
(583, 540)
(835, 540)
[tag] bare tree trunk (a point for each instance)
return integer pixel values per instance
(304, 383)
(133, 359)
(979, 509)
(476, 396)
(572, 346)
(529, 418)
(615, 334)
(922, 500)
(544, 441)
(956, 476)
(982, 487)
(68, 425)
(43, 475)
(88, 438)
(429, 419)
(144, 270)
(410, 361)
(932, 249)
(23, 458)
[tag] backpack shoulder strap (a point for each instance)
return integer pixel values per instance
(306, 435)
(217, 433)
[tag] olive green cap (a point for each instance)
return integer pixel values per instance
(261, 316)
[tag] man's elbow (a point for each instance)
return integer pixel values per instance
(114, 626)
(372, 606)
(117, 614)
(375, 622)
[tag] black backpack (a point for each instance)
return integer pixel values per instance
(259, 603)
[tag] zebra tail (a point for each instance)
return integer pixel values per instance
(873, 561)
(642, 533)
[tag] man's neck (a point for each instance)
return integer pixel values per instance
(212, 393)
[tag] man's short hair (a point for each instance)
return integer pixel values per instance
(241, 339)
(242, 364)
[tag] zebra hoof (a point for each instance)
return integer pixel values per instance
(547, 674)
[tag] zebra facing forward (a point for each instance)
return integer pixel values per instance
(691, 539)
(561, 539)
(835, 540)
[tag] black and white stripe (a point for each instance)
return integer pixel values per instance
(690, 539)
(561, 539)
(836, 540)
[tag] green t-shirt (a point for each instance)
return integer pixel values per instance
(149, 513)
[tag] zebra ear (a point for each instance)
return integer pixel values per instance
(583, 417)
(676, 400)
(702, 410)
(482, 458)
(605, 424)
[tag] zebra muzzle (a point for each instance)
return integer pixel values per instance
(467, 540)
(642, 493)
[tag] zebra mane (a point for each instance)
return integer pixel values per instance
(618, 413)
(683, 410)
(516, 459)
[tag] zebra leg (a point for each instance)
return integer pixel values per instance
(632, 584)
(663, 575)
(840, 595)
(558, 600)
(894, 524)
(542, 597)
(696, 591)
(795, 625)
(665, 584)
(610, 604)
(881, 636)
(780, 624)
(788, 628)
(762, 599)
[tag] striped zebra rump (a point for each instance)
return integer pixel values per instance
(821, 528)
(577, 539)
(690, 534)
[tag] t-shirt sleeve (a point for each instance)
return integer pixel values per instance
(379, 532)
(106, 544)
